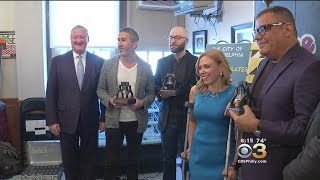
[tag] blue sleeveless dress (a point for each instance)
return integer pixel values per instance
(208, 150)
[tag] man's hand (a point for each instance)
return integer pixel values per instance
(164, 95)
(55, 129)
(115, 104)
(139, 103)
(246, 122)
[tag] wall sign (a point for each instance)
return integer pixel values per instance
(243, 59)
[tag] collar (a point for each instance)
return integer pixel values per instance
(84, 55)
(182, 59)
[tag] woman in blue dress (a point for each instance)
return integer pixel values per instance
(208, 126)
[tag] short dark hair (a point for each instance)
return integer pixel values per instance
(284, 15)
(133, 34)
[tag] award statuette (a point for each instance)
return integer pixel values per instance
(169, 85)
(125, 94)
(243, 97)
(240, 98)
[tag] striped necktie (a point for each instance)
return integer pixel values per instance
(80, 71)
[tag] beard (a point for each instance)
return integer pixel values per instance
(123, 52)
(178, 48)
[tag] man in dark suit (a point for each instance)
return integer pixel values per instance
(306, 165)
(172, 123)
(286, 89)
(72, 106)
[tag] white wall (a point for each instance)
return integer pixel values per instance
(153, 26)
(23, 77)
(7, 16)
(8, 72)
(234, 13)
(30, 49)
(8, 79)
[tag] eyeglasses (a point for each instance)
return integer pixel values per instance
(262, 30)
(177, 38)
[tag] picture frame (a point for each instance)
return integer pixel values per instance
(199, 41)
(242, 33)
(9, 51)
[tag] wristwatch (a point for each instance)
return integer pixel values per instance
(257, 132)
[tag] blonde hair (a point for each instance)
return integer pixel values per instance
(217, 56)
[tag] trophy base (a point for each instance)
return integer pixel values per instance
(168, 92)
(124, 101)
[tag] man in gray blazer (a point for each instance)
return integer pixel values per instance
(286, 89)
(306, 165)
(72, 106)
(125, 120)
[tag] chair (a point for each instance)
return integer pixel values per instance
(33, 122)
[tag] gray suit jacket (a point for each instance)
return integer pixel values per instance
(306, 165)
(108, 88)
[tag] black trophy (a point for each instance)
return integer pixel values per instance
(243, 97)
(169, 85)
(125, 95)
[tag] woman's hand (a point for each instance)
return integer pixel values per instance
(232, 173)
(186, 154)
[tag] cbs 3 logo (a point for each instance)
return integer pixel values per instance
(245, 150)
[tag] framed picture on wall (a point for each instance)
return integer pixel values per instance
(9, 50)
(199, 41)
(242, 33)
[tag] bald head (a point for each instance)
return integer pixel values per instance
(178, 40)
(179, 31)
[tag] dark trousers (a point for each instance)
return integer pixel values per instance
(114, 141)
(79, 160)
(172, 140)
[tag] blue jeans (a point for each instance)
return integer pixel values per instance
(172, 140)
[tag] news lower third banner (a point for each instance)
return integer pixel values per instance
(243, 59)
